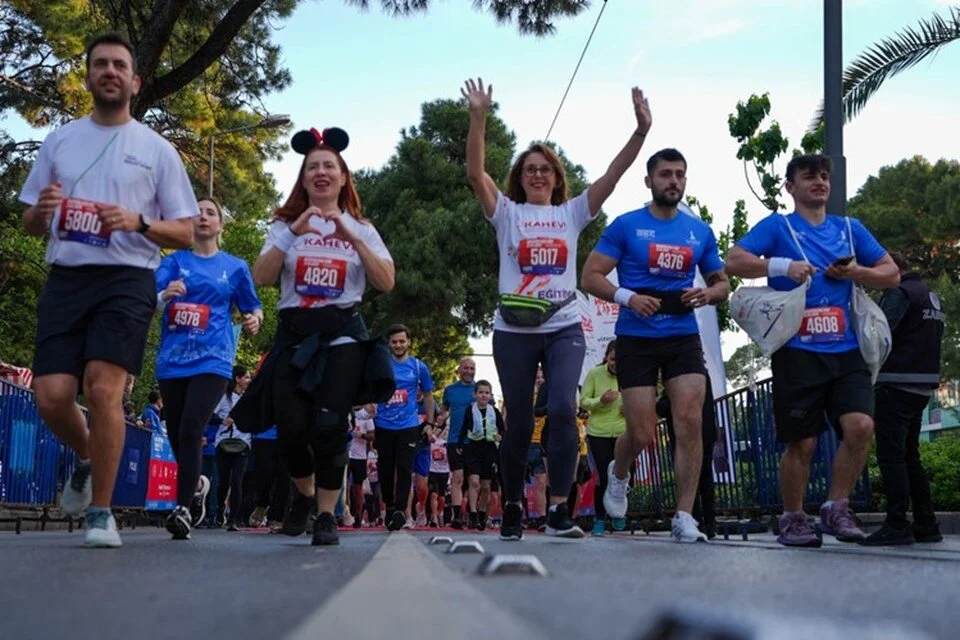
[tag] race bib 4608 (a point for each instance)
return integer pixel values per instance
(320, 276)
(79, 222)
(823, 324)
(670, 260)
(542, 256)
(188, 316)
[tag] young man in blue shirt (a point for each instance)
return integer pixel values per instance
(656, 251)
(819, 373)
(457, 398)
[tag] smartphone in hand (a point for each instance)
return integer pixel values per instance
(842, 262)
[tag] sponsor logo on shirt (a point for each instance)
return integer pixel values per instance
(544, 225)
(134, 160)
(692, 239)
(554, 294)
(648, 234)
(316, 241)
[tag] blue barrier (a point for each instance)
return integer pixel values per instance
(130, 489)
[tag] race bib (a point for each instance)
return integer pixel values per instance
(439, 454)
(372, 474)
(542, 256)
(322, 277)
(188, 316)
(670, 260)
(823, 324)
(398, 399)
(79, 222)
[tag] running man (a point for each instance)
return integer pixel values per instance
(819, 373)
(457, 398)
(109, 192)
(656, 250)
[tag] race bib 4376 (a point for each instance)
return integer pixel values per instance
(79, 222)
(670, 260)
(542, 256)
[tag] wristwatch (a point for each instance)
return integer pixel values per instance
(144, 224)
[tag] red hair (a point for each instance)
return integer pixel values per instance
(298, 200)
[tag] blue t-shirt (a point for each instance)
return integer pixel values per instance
(151, 418)
(196, 333)
(458, 396)
(269, 434)
(826, 325)
(400, 412)
(661, 255)
(210, 433)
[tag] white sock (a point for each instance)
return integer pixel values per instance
(827, 504)
(83, 462)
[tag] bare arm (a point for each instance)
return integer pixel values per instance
(267, 268)
(171, 234)
(594, 281)
(743, 264)
(480, 181)
(604, 186)
(431, 407)
(883, 275)
(380, 272)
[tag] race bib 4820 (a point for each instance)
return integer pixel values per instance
(79, 222)
(318, 276)
(823, 324)
(188, 316)
(670, 260)
(542, 256)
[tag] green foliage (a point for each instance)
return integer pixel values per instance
(941, 461)
(745, 365)
(759, 147)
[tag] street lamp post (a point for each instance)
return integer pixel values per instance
(269, 121)
(833, 103)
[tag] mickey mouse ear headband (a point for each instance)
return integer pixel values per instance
(305, 141)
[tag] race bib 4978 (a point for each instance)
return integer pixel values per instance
(188, 317)
(79, 222)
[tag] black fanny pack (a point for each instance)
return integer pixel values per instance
(670, 303)
(525, 311)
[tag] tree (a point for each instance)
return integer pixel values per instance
(745, 365)
(444, 248)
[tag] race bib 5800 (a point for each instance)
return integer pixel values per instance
(79, 222)
(188, 316)
(823, 324)
(320, 276)
(542, 256)
(670, 260)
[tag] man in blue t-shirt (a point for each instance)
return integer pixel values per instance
(457, 398)
(819, 373)
(656, 251)
(398, 425)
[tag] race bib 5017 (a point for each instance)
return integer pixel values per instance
(542, 256)
(79, 222)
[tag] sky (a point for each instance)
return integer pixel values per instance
(370, 73)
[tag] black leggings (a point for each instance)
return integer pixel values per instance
(189, 403)
(602, 451)
(230, 470)
(313, 431)
(397, 450)
(273, 481)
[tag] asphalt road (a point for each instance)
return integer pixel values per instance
(255, 585)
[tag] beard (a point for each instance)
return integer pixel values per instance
(111, 103)
(663, 200)
(400, 353)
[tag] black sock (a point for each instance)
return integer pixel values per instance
(456, 512)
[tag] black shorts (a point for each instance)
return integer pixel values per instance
(437, 482)
(94, 312)
(480, 458)
(810, 387)
(455, 457)
(358, 471)
(641, 360)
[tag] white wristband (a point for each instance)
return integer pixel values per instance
(778, 267)
(622, 297)
(284, 240)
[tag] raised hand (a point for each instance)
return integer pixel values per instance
(478, 98)
(342, 231)
(641, 107)
(174, 289)
(302, 224)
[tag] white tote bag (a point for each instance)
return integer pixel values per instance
(869, 324)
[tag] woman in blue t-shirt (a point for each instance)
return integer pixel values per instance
(199, 288)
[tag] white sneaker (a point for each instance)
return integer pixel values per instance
(615, 497)
(102, 531)
(410, 524)
(78, 492)
(422, 520)
(198, 506)
(683, 528)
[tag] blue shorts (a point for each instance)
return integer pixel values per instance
(535, 463)
(421, 464)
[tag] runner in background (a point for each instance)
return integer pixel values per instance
(457, 397)
(373, 499)
(109, 192)
(363, 429)
(439, 473)
(421, 469)
(482, 430)
(199, 288)
(233, 451)
(536, 458)
(272, 482)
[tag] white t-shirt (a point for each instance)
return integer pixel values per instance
(128, 165)
(438, 457)
(538, 255)
(319, 270)
(363, 424)
(223, 410)
(373, 475)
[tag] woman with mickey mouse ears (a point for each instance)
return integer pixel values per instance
(323, 251)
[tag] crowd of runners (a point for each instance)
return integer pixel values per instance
(341, 422)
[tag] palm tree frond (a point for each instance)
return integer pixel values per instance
(885, 59)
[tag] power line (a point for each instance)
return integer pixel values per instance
(577, 68)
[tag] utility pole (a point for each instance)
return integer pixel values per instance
(833, 103)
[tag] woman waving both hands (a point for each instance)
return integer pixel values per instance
(537, 227)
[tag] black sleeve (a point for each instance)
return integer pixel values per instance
(540, 405)
(894, 305)
(500, 426)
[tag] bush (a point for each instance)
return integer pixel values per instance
(941, 461)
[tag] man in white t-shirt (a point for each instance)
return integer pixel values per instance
(108, 192)
(362, 433)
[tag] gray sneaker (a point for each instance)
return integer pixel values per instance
(795, 531)
(78, 492)
(837, 520)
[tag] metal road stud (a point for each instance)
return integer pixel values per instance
(504, 564)
(465, 546)
(441, 540)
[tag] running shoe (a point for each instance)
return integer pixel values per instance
(837, 520)
(511, 527)
(274, 526)
(78, 492)
(457, 524)
(295, 522)
(178, 523)
(198, 506)
(599, 528)
(615, 497)
(102, 530)
(927, 533)
(409, 524)
(395, 520)
(560, 525)
(220, 520)
(324, 531)
(422, 520)
(357, 523)
(795, 531)
(258, 518)
(888, 536)
(232, 526)
(433, 524)
(619, 524)
(683, 528)
(474, 523)
(481, 520)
